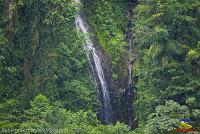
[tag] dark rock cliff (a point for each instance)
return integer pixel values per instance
(122, 90)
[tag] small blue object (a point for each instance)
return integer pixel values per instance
(185, 120)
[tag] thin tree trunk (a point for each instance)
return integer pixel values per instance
(26, 67)
(8, 14)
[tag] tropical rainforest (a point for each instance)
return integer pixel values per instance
(147, 59)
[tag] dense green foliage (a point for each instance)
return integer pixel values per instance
(108, 22)
(44, 117)
(45, 81)
(167, 36)
(54, 66)
(44, 55)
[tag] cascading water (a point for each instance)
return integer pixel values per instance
(93, 57)
(130, 91)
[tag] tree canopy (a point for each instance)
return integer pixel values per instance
(46, 82)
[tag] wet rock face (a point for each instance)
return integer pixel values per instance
(122, 89)
(122, 96)
(95, 56)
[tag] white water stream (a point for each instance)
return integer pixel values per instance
(92, 55)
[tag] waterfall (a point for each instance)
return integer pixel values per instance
(93, 57)
(130, 91)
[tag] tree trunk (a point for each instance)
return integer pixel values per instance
(8, 14)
